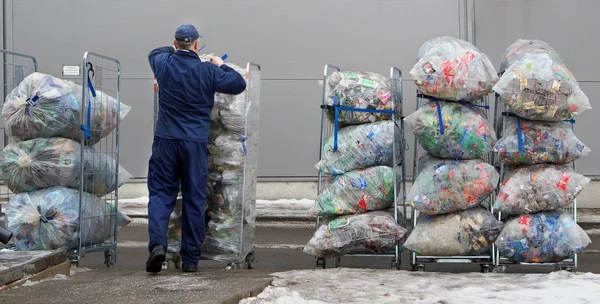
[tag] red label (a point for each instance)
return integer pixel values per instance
(448, 71)
(467, 58)
(564, 179)
(524, 220)
(362, 204)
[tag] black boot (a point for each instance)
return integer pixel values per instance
(156, 259)
(190, 268)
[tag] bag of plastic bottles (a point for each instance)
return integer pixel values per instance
(47, 162)
(539, 188)
(522, 47)
(528, 142)
(469, 232)
(43, 106)
(539, 86)
(49, 219)
(359, 90)
(359, 146)
(372, 232)
(544, 237)
(357, 192)
(453, 69)
(445, 186)
(464, 134)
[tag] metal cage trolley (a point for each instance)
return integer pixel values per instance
(501, 263)
(232, 242)
(329, 129)
(14, 67)
(100, 99)
(417, 261)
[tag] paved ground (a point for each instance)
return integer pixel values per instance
(127, 283)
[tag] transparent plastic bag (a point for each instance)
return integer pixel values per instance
(49, 219)
(522, 47)
(44, 106)
(544, 237)
(359, 146)
(528, 142)
(453, 69)
(445, 186)
(360, 90)
(464, 134)
(47, 162)
(357, 192)
(226, 153)
(539, 86)
(469, 232)
(372, 232)
(539, 188)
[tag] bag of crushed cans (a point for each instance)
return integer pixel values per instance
(539, 188)
(528, 142)
(359, 90)
(373, 232)
(359, 146)
(539, 86)
(452, 130)
(544, 237)
(453, 69)
(469, 232)
(445, 186)
(357, 192)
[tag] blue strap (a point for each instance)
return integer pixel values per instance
(335, 128)
(31, 103)
(244, 144)
(520, 139)
(43, 219)
(87, 127)
(224, 57)
(470, 104)
(439, 110)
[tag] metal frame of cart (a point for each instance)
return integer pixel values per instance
(501, 263)
(398, 159)
(417, 261)
(250, 176)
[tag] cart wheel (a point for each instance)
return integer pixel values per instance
(108, 258)
(499, 269)
(250, 260)
(336, 262)
(165, 265)
(418, 268)
(176, 261)
(320, 263)
(74, 264)
(486, 268)
(561, 268)
(395, 265)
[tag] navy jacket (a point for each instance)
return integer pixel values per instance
(186, 92)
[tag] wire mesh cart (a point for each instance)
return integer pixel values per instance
(14, 67)
(330, 129)
(502, 263)
(418, 261)
(232, 180)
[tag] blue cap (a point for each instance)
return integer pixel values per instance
(186, 33)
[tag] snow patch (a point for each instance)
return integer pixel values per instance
(344, 285)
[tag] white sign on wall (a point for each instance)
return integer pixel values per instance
(70, 70)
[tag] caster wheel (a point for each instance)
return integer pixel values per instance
(418, 268)
(395, 265)
(320, 263)
(108, 258)
(165, 265)
(499, 269)
(486, 268)
(250, 260)
(74, 264)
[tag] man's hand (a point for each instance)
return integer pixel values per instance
(216, 61)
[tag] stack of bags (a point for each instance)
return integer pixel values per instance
(357, 199)
(232, 145)
(539, 147)
(453, 179)
(42, 165)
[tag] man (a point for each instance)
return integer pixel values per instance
(179, 153)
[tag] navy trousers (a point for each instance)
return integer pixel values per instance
(174, 162)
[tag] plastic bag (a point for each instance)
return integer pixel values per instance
(469, 232)
(47, 162)
(528, 142)
(49, 219)
(360, 90)
(372, 232)
(522, 47)
(453, 69)
(43, 106)
(359, 146)
(545, 237)
(539, 86)
(357, 192)
(539, 188)
(445, 186)
(465, 133)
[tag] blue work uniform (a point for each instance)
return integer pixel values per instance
(180, 150)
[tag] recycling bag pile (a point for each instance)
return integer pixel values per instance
(539, 92)
(232, 146)
(453, 180)
(357, 199)
(44, 161)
